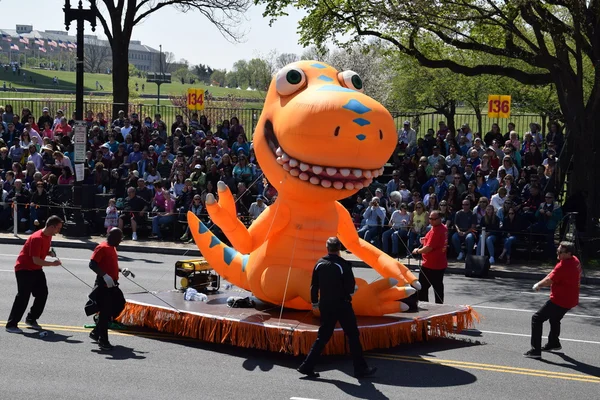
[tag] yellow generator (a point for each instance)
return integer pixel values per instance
(196, 274)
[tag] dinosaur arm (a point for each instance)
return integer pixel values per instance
(378, 260)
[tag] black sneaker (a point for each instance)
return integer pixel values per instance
(105, 345)
(32, 323)
(552, 347)
(369, 371)
(535, 354)
(308, 372)
(94, 336)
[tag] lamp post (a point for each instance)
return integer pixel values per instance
(80, 15)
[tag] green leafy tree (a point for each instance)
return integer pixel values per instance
(218, 77)
(538, 42)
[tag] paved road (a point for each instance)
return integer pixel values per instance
(483, 363)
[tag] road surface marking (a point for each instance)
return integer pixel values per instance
(528, 335)
(301, 398)
(546, 294)
(490, 367)
(534, 311)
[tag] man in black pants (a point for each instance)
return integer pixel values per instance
(106, 297)
(31, 279)
(331, 289)
(564, 283)
(435, 262)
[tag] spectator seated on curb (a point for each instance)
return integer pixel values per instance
(465, 223)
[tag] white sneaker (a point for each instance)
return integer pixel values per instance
(28, 232)
(23, 219)
(13, 329)
(134, 236)
(492, 260)
(461, 256)
(36, 222)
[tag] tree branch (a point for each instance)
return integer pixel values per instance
(103, 21)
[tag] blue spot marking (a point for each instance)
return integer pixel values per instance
(319, 66)
(325, 78)
(361, 137)
(229, 254)
(334, 88)
(245, 258)
(214, 241)
(361, 121)
(356, 106)
(202, 228)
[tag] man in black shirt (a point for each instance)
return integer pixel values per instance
(133, 211)
(331, 291)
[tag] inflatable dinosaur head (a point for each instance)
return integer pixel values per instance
(320, 135)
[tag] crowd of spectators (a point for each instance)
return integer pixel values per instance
(503, 183)
(153, 173)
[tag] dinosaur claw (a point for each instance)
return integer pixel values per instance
(221, 186)
(210, 199)
(410, 291)
(416, 285)
(393, 281)
(403, 307)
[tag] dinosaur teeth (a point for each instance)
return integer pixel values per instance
(279, 152)
(345, 172)
(349, 185)
(314, 180)
(295, 172)
(357, 172)
(303, 176)
(317, 169)
(367, 182)
(375, 173)
(304, 167)
(280, 161)
(287, 167)
(294, 163)
(357, 185)
(331, 171)
(285, 157)
(338, 185)
(325, 183)
(368, 174)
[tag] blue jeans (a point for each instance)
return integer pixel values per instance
(368, 232)
(508, 244)
(33, 215)
(159, 220)
(469, 240)
(395, 236)
(490, 241)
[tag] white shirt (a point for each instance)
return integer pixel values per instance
(497, 201)
(255, 210)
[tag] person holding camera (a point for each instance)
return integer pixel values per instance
(374, 216)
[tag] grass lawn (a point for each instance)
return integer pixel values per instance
(66, 81)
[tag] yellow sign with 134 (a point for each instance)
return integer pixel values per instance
(195, 99)
(498, 106)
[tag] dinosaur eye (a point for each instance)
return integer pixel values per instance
(351, 80)
(289, 80)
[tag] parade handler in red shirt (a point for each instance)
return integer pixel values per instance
(435, 261)
(564, 282)
(31, 279)
(106, 297)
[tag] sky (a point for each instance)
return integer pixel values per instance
(189, 36)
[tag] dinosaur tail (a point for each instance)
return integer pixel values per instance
(226, 261)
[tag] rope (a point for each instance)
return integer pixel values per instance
(287, 282)
(78, 278)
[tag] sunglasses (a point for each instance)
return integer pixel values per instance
(433, 219)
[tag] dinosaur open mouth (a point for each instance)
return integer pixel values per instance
(320, 175)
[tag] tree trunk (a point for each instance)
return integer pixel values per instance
(479, 121)
(450, 112)
(120, 75)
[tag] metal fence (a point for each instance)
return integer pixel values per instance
(249, 116)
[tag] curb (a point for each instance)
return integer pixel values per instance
(91, 245)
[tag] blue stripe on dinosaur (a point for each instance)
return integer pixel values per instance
(356, 106)
(319, 66)
(214, 241)
(361, 121)
(325, 78)
(335, 88)
(245, 258)
(202, 228)
(229, 254)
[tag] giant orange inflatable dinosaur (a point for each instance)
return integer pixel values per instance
(319, 139)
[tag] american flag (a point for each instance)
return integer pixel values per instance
(52, 43)
(42, 49)
(62, 44)
(14, 47)
(6, 38)
(71, 45)
(39, 42)
(23, 40)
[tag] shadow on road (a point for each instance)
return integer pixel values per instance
(575, 365)
(51, 337)
(121, 353)
(129, 259)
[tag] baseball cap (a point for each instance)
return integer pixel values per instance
(197, 166)
(45, 109)
(406, 122)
